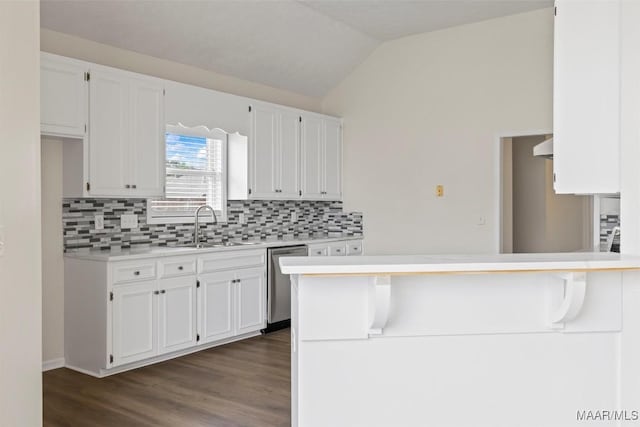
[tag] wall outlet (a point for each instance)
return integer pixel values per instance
(241, 218)
(481, 220)
(98, 221)
(294, 216)
(129, 221)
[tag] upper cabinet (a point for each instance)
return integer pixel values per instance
(63, 96)
(290, 154)
(586, 105)
(274, 153)
(119, 120)
(126, 134)
(321, 157)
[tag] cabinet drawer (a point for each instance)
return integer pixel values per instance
(354, 247)
(231, 260)
(337, 249)
(318, 250)
(173, 267)
(133, 271)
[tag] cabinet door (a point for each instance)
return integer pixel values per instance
(216, 301)
(108, 133)
(332, 166)
(147, 141)
(250, 307)
(586, 97)
(63, 96)
(177, 314)
(289, 156)
(264, 146)
(134, 322)
(312, 158)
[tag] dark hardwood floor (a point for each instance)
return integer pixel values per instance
(246, 383)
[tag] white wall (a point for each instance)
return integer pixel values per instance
(426, 110)
(20, 272)
(52, 253)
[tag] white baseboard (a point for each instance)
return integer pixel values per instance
(48, 365)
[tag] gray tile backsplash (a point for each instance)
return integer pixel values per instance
(263, 220)
(607, 222)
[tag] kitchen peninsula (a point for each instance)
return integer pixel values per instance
(462, 340)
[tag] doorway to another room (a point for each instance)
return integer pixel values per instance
(534, 218)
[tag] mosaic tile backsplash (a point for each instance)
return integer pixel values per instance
(607, 222)
(262, 220)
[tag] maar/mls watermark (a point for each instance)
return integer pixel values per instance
(607, 415)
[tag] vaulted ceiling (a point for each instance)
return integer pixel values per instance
(305, 46)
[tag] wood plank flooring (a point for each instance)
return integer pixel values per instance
(246, 383)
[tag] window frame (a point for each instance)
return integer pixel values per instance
(198, 132)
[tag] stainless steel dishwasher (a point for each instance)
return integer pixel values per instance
(279, 287)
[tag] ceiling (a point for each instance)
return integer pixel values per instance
(305, 46)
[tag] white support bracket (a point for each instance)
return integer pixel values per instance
(380, 299)
(575, 287)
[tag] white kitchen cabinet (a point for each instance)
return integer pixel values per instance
(250, 297)
(126, 134)
(321, 158)
(134, 314)
(232, 300)
(340, 248)
(586, 101)
(216, 300)
(274, 147)
(63, 96)
(264, 147)
(337, 249)
(177, 314)
(312, 158)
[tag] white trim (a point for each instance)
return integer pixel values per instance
(497, 176)
(50, 364)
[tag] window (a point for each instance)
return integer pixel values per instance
(195, 175)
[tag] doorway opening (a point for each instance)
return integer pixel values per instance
(534, 219)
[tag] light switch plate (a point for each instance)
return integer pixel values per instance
(129, 221)
(98, 221)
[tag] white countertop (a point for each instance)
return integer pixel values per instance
(162, 251)
(462, 264)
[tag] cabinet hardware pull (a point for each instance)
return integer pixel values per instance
(156, 292)
(319, 253)
(127, 186)
(136, 273)
(134, 186)
(180, 268)
(163, 291)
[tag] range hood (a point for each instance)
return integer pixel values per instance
(544, 149)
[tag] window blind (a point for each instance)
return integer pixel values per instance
(194, 176)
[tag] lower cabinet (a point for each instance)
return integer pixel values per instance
(132, 312)
(215, 306)
(152, 318)
(177, 314)
(349, 247)
(134, 320)
(231, 303)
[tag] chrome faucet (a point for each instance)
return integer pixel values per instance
(196, 228)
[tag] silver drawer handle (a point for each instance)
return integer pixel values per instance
(180, 268)
(136, 273)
